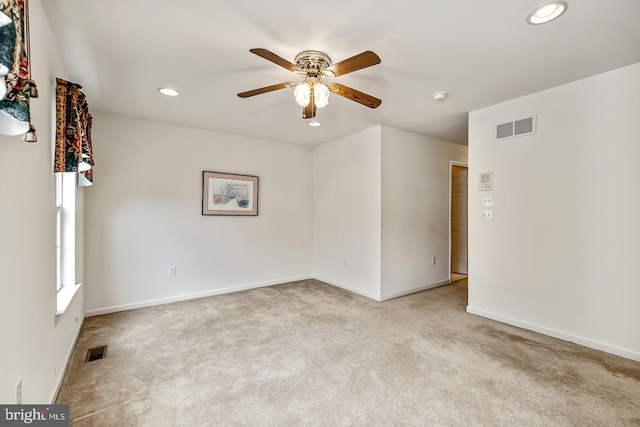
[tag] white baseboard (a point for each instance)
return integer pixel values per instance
(150, 303)
(378, 297)
(414, 290)
(618, 351)
(63, 371)
(348, 288)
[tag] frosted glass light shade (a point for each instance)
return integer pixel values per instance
(302, 93)
(321, 95)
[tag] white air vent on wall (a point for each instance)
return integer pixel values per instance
(522, 127)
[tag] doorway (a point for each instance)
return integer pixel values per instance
(458, 221)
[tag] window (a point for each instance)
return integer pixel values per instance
(58, 231)
(66, 229)
(73, 163)
(66, 185)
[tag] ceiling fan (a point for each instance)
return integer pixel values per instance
(311, 92)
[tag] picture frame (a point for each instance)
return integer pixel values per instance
(229, 194)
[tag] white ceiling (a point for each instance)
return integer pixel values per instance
(480, 52)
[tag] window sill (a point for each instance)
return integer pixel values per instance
(65, 296)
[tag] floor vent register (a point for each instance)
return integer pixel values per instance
(96, 353)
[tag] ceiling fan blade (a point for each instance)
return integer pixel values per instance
(355, 95)
(270, 56)
(266, 89)
(355, 63)
(309, 112)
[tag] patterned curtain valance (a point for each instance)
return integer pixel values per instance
(73, 151)
(16, 86)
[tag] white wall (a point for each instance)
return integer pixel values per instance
(32, 346)
(415, 210)
(144, 214)
(561, 255)
(347, 212)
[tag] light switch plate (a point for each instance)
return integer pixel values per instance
(487, 201)
(487, 215)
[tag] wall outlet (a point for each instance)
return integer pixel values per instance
(172, 270)
(487, 215)
(433, 261)
(19, 392)
(487, 201)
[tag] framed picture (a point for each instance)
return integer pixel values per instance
(229, 194)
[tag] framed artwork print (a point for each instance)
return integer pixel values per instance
(229, 194)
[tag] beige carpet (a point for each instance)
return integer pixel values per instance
(307, 353)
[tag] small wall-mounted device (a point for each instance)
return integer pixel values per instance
(486, 181)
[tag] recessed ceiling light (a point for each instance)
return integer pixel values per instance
(314, 124)
(168, 92)
(547, 12)
(439, 96)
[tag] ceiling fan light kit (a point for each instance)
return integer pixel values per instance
(311, 93)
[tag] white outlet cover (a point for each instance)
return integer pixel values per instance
(487, 215)
(487, 201)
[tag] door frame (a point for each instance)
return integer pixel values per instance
(453, 163)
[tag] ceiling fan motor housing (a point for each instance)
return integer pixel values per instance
(312, 63)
